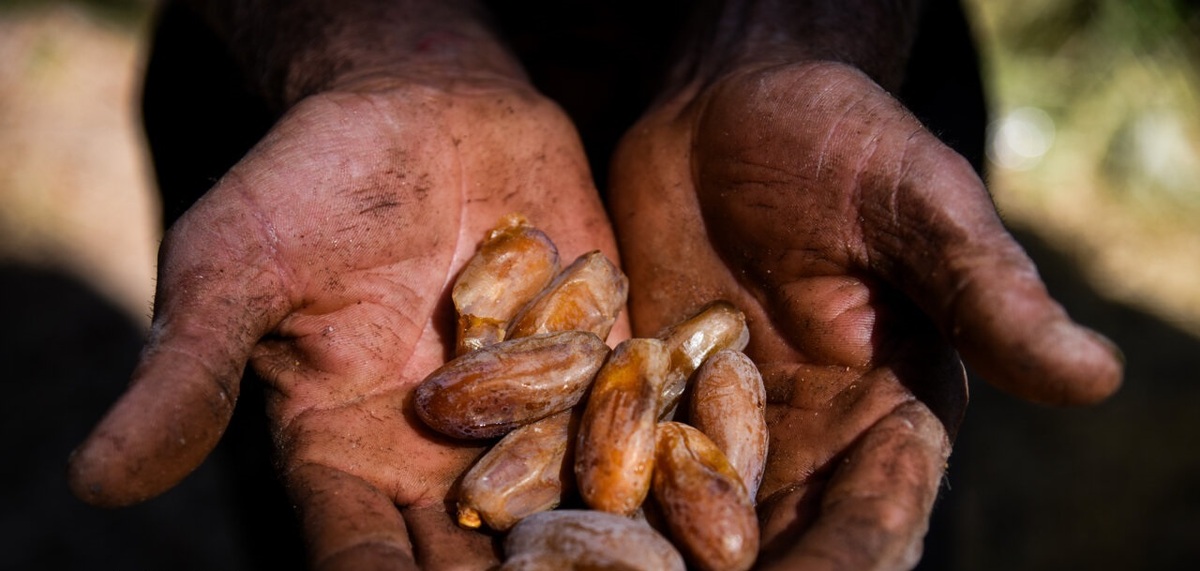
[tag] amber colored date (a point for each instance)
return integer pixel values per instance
(614, 455)
(488, 392)
(708, 512)
(728, 404)
(586, 296)
(530, 347)
(579, 539)
(512, 265)
(523, 474)
(718, 325)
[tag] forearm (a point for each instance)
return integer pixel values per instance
(289, 49)
(875, 36)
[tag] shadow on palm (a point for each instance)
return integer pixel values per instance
(863, 253)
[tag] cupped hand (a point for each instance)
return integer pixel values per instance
(867, 257)
(323, 259)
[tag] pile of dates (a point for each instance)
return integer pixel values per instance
(577, 420)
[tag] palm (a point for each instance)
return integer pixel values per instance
(323, 259)
(808, 197)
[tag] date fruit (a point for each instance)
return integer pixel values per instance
(586, 296)
(531, 346)
(521, 475)
(488, 392)
(728, 404)
(614, 456)
(512, 265)
(587, 540)
(708, 512)
(718, 325)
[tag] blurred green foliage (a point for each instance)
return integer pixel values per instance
(1121, 83)
(121, 12)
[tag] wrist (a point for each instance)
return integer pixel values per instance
(290, 49)
(873, 36)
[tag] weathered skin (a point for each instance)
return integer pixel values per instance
(525, 473)
(728, 404)
(587, 540)
(488, 392)
(863, 252)
(701, 497)
(718, 325)
(512, 265)
(323, 260)
(587, 296)
(782, 179)
(614, 456)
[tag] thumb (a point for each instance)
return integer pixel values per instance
(214, 301)
(944, 245)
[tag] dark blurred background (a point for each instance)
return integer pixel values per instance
(1092, 156)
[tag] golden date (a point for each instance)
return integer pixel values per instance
(523, 474)
(718, 325)
(586, 296)
(707, 510)
(490, 391)
(512, 265)
(587, 540)
(615, 451)
(728, 404)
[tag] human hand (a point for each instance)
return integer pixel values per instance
(864, 253)
(323, 259)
